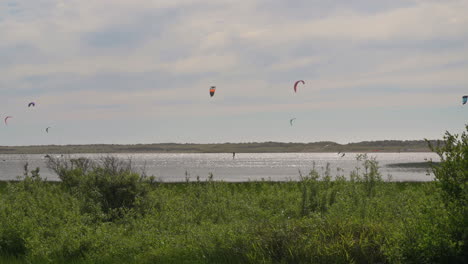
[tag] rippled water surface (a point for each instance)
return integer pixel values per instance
(244, 167)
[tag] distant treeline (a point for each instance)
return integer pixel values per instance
(254, 147)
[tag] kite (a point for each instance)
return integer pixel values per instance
(212, 90)
(291, 121)
(295, 85)
(31, 104)
(6, 118)
(465, 99)
(47, 129)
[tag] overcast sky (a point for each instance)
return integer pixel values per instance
(120, 71)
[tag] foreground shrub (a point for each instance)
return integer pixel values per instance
(109, 187)
(40, 222)
(103, 212)
(452, 177)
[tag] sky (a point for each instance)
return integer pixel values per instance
(129, 72)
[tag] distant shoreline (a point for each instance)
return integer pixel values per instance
(414, 165)
(263, 147)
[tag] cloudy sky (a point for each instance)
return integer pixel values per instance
(120, 71)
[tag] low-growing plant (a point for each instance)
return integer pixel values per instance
(104, 212)
(109, 187)
(452, 177)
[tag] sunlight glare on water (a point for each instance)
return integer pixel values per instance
(244, 167)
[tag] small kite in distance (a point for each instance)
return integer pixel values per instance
(291, 121)
(31, 104)
(6, 119)
(47, 130)
(295, 85)
(212, 90)
(465, 99)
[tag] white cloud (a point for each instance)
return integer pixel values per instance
(252, 54)
(293, 63)
(209, 33)
(202, 64)
(425, 21)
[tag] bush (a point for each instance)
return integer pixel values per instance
(39, 221)
(452, 172)
(109, 187)
(452, 177)
(104, 212)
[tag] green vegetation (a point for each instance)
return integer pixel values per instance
(452, 176)
(272, 147)
(104, 212)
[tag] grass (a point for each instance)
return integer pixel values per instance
(359, 219)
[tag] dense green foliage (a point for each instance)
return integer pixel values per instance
(104, 212)
(452, 178)
(315, 220)
(107, 188)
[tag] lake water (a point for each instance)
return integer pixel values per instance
(244, 167)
